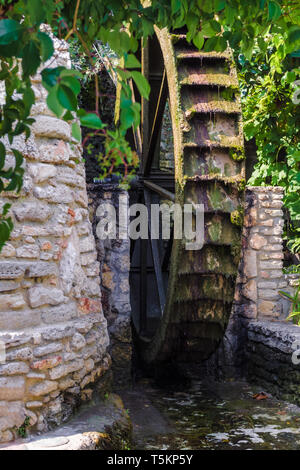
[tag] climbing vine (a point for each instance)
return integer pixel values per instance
(272, 116)
(25, 45)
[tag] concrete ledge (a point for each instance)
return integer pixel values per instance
(97, 426)
(269, 351)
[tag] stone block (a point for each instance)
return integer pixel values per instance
(61, 313)
(46, 126)
(12, 388)
(47, 363)
(40, 269)
(78, 342)
(14, 368)
(65, 369)
(43, 388)
(33, 211)
(250, 264)
(28, 251)
(266, 308)
(23, 354)
(59, 332)
(47, 349)
(58, 194)
(41, 172)
(40, 295)
(8, 251)
(17, 320)
(11, 302)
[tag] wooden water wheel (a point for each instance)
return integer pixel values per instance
(181, 300)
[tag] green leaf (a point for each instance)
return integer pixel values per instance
(31, 59)
(219, 5)
(10, 30)
(53, 103)
(66, 97)
(46, 43)
(131, 62)
(2, 155)
(76, 131)
(50, 77)
(294, 33)
(72, 83)
(198, 40)
(142, 84)
(36, 11)
(92, 121)
(274, 11)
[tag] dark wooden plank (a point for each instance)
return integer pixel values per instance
(136, 132)
(149, 154)
(143, 286)
(159, 190)
(156, 258)
(166, 258)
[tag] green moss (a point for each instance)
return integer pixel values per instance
(237, 217)
(237, 153)
(215, 230)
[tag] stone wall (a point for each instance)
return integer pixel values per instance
(52, 326)
(270, 362)
(260, 276)
(259, 279)
(114, 258)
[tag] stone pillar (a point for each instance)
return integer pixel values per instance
(261, 274)
(114, 257)
(53, 334)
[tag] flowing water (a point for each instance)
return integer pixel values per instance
(210, 415)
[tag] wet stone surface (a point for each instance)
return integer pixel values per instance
(211, 415)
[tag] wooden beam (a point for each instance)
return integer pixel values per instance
(149, 155)
(136, 132)
(156, 259)
(143, 286)
(161, 191)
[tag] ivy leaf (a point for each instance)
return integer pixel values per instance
(10, 31)
(274, 11)
(141, 83)
(76, 131)
(66, 97)
(198, 40)
(46, 43)
(31, 59)
(91, 120)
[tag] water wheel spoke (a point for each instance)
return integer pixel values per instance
(158, 117)
(156, 259)
(168, 251)
(160, 190)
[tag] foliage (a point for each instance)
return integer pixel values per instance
(292, 269)
(22, 430)
(295, 300)
(25, 46)
(272, 117)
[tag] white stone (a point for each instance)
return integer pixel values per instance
(40, 295)
(11, 302)
(41, 172)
